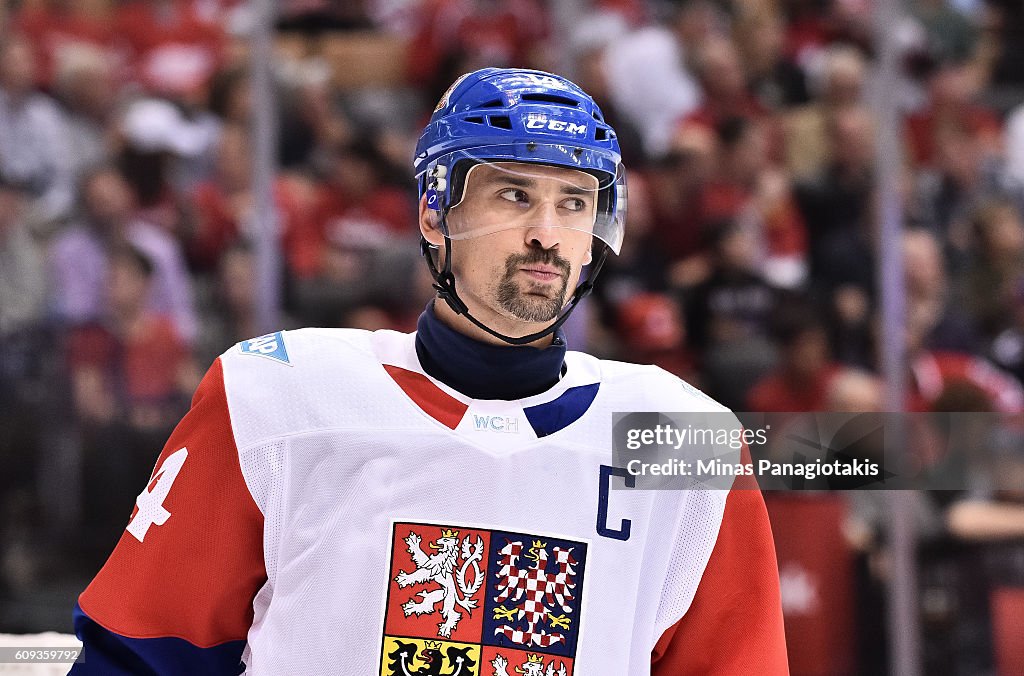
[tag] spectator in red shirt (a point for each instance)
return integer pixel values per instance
(174, 50)
(132, 366)
(952, 108)
(724, 82)
(357, 211)
(457, 36)
(807, 29)
(651, 331)
(801, 381)
(223, 210)
(748, 187)
(355, 240)
(60, 28)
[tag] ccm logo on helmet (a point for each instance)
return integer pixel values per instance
(556, 125)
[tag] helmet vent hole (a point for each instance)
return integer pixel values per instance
(475, 120)
(597, 116)
(551, 98)
(500, 121)
(600, 134)
(496, 103)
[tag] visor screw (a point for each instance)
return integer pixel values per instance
(531, 146)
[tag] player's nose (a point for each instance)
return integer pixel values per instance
(544, 236)
(543, 231)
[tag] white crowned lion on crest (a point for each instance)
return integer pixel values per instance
(440, 568)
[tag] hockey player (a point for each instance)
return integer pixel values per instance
(352, 502)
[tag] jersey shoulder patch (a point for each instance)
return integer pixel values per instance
(271, 346)
(304, 380)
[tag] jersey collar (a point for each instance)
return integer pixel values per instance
(543, 413)
(484, 371)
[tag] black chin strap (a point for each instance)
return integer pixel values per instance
(444, 283)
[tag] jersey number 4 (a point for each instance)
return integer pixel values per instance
(151, 500)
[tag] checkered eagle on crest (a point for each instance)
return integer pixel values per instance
(529, 593)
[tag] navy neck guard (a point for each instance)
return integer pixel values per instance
(484, 371)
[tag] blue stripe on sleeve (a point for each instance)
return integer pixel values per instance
(109, 654)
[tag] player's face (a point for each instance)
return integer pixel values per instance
(536, 224)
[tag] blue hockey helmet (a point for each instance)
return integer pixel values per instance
(510, 119)
(501, 116)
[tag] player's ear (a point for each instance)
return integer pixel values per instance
(590, 254)
(430, 222)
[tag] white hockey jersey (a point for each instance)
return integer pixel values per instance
(326, 507)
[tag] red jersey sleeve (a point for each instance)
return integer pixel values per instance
(176, 595)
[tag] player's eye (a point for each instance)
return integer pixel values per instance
(575, 204)
(514, 195)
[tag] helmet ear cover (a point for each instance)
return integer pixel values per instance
(457, 180)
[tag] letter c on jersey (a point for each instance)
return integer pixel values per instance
(603, 491)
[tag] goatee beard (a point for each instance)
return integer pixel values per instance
(526, 307)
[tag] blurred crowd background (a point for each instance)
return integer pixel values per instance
(749, 267)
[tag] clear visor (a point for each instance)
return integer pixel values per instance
(557, 202)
